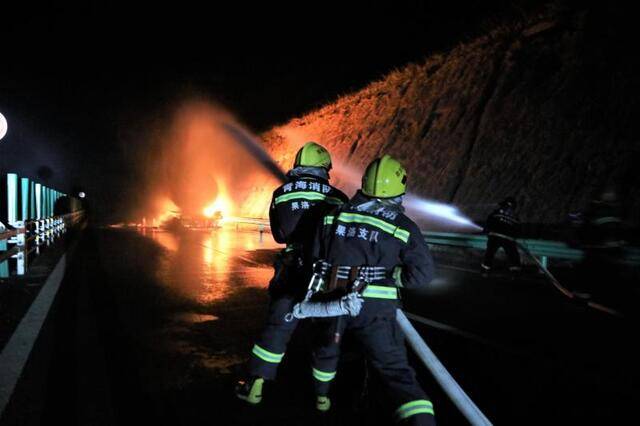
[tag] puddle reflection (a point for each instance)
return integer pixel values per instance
(209, 266)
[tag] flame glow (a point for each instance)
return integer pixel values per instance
(201, 166)
(221, 204)
(165, 209)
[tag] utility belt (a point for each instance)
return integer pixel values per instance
(328, 278)
(338, 290)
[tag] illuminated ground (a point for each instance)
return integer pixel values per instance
(155, 327)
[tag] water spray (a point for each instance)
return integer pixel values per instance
(445, 212)
(416, 206)
(250, 144)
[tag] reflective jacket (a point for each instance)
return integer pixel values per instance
(298, 206)
(384, 238)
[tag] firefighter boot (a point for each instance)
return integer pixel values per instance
(323, 403)
(250, 390)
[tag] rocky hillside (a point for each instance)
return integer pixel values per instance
(543, 110)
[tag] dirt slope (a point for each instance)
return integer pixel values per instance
(543, 111)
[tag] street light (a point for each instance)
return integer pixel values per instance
(3, 126)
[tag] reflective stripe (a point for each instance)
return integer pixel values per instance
(307, 195)
(389, 228)
(420, 406)
(380, 292)
(267, 356)
(323, 376)
(609, 219)
(328, 220)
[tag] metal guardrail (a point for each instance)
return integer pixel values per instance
(27, 239)
(31, 221)
(542, 249)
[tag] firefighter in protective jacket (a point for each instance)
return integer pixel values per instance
(503, 228)
(296, 209)
(371, 238)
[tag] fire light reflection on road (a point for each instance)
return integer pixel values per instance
(207, 267)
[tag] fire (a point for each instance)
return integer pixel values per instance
(221, 204)
(168, 210)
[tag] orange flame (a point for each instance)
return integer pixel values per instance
(168, 210)
(221, 204)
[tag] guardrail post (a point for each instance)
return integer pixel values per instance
(4, 266)
(36, 232)
(21, 264)
(12, 198)
(32, 200)
(38, 199)
(24, 199)
(39, 229)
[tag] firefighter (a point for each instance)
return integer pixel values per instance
(296, 209)
(370, 238)
(503, 227)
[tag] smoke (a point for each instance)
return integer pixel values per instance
(206, 158)
(203, 156)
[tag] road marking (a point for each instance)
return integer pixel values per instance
(15, 354)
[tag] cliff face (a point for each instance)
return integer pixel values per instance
(543, 111)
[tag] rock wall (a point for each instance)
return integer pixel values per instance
(544, 110)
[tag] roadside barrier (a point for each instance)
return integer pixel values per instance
(30, 221)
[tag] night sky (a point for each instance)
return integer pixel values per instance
(74, 81)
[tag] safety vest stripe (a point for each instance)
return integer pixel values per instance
(420, 406)
(402, 234)
(328, 220)
(419, 410)
(267, 356)
(603, 220)
(323, 376)
(307, 195)
(387, 227)
(380, 292)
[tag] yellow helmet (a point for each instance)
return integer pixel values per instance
(384, 178)
(313, 155)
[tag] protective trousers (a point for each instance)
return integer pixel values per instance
(269, 349)
(383, 345)
(493, 245)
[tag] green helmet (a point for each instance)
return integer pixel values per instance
(313, 155)
(384, 178)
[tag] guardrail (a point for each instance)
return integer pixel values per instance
(28, 238)
(542, 249)
(31, 221)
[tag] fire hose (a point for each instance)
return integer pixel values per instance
(568, 293)
(351, 304)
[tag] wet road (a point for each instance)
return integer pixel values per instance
(155, 328)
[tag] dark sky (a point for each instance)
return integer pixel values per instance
(73, 80)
